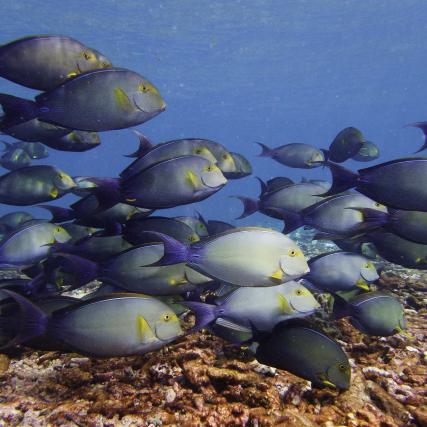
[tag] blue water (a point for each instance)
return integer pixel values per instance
(244, 71)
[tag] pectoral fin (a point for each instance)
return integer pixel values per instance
(277, 276)
(362, 285)
(285, 308)
(174, 282)
(122, 100)
(329, 384)
(54, 193)
(144, 330)
(192, 179)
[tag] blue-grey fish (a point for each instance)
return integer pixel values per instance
(411, 225)
(248, 256)
(334, 215)
(15, 158)
(100, 100)
(135, 229)
(35, 150)
(148, 154)
(293, 198)
(296, 155)
(398, 250)
(261, 308)
(368, 152)
(43, 62)
(34, 184)
(35, 131)
(373, 313)
(190, 179)
(30, 243)
(14, 219)
(345, 145)
(341, 271)
(307, 353)
(115, 325)
(76, 141)
(396, 184)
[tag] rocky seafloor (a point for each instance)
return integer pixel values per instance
(202, 380)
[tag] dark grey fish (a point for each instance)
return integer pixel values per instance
(43, 62)
(14, 219)
(306, 353)
(217, 227)
(15, 158)
(76, 141)
(99, 100)
(35, 131)
(368, 152)
(346, 144)
(34, 184)
(373, 313)
(277, 183)
(196, 223)
(397, 184)
(35, 150)
(302, 156)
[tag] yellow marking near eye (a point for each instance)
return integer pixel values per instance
(122, 100)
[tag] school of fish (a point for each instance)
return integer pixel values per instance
(251, 286)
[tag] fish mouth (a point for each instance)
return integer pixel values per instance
(152, 109)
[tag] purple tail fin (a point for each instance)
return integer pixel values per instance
(343, 179)
(16, 110)
(174, 251)
(33, 320)
(372, 218)
(423, 127)
(250, 206)
(266, 151)
(82, 269)
(145, 145)
(205, 313)
(59, 214)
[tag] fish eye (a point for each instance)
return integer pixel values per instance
(342, 367)
(58, 229)
(167, 317)
(378, 205)
(225, 156)
(198, 151)
(88, 55)
(292, 253)
(299, 292)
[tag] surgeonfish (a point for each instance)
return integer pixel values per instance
(345, 145)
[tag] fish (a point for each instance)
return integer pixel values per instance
(341, 271)
(29, 243)
(302, 156)
(197, 224)
(131, 270)
(333, 216)
(396, 184)
(135, 230)
(190, 179)
(367, 153)
(34, 184)
(410, 225)
(398, 250)
(345, 145)
(116, 99)
(325, 184)
(78, 232)
(109, 326)
(261, 308)
(306, 353)
(218, 227)
(247, 256)
(35, 131)
(277, 183)
(373, 313)
(15, 158)
(35, 150)
(45, 61)
(75, 141)
(14, 219)
(243, 167)
(293, 198)
(149, 154)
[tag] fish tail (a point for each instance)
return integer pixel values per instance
(372, 218)
(343, 179)
(145, 145)
(293, 220)
(250, 206)
(175, 252)
(205, 313)
(266, 151)
(33, 320)
(326, 154)
(16, 110)
(340, 308)
(59, 214)
(7, 145)
(423, 127)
